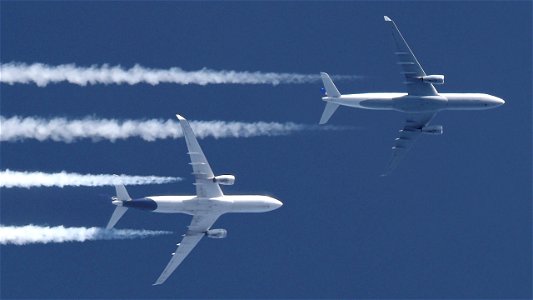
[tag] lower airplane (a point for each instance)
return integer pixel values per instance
(421, 102)
(206, 206)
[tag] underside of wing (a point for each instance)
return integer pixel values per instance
(411, 68)
(205, 186)
(408, 136)
(196, 231)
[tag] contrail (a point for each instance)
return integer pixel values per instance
(42, 74)
(32, 234)
(10, 179)
(65, 130)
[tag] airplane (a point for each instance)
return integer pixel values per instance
(206, 206)
(421, 102)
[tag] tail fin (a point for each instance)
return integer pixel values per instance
(331, 89)
(122, 195)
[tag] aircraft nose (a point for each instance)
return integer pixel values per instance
(490, 101)
(497, 101)
(275, 203)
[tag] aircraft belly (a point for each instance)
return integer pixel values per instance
(419, 104)
(211, 206)
(194, 206)
(250, 206)
(169, 207)
(457, 101)
(347, 102)
(381, 104)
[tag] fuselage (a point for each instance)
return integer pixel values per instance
(193, 205)
(408, 103)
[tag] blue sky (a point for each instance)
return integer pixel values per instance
(453, 221)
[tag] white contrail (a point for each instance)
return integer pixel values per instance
(42, 74)
(65, 130)
(9, 179)
(32, 234)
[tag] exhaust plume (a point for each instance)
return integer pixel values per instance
(42, 75)
(65, 130)
(10, 179)
(32, 234)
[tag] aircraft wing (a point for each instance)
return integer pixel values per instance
(205, 186)
(408, 135)
(411, 69)
(196, 231)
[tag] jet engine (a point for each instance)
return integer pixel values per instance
(224, 179)
(434, 79)
(217, 233)
(432, 129)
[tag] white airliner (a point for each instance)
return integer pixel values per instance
(421, 102)
(206, 206)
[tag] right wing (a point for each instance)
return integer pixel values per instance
(408, 135)
(205, 186)
(411, 69)
(196, 231)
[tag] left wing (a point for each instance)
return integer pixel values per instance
(205, 186)
(411, 68)
(408, 135)
(196, 231)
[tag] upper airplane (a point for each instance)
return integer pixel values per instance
(421, 102)
(206, 206)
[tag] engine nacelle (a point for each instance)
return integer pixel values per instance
(217, 233)
(224, 179)
(434, 79)
(433, 129)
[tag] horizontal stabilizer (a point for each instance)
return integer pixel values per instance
(331, 89)
(117, 214)
(122, 195)
(328, 112)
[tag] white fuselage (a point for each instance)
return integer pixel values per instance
(415, 104)
(193, 205)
